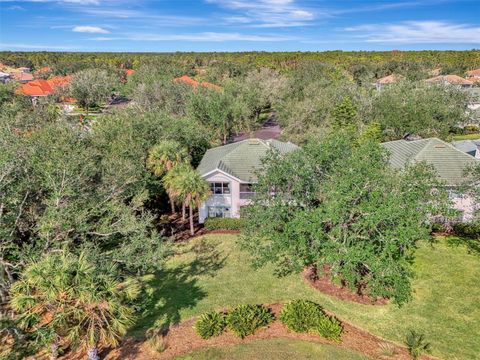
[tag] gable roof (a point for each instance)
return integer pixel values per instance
(451, 79)
(390, 79)
(42, 87)
(475, 72)
(241, 159)
(194, 83)
(448, 162)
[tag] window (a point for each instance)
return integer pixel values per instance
(218, 211)
(246, 191)
(220, 188)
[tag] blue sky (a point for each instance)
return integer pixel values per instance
(238, 25)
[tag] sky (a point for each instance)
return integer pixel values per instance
(238, 25)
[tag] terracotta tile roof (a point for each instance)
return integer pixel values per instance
(451, 79)
(22, 76)
(390, 79)
(189, 81)
(472, 73)
(129, 72)
(43, 70)
(42, 87)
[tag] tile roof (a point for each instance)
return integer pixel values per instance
(22, 76)
(448, 161)
(390, 79)
(451, 79)
(475, 72)
(42, 87)
(129, 72)
(194, 83)
(242, 159)
(467, 146)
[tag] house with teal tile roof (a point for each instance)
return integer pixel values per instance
(448, 162)
(231, 170)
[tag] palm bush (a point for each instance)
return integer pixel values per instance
(416, 344)
(245, 319)
(210, 324)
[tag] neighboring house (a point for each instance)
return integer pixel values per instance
(194, 83)
(22, 77)
(474, 93)
(388, 80)
(471, 147)
(450, 80)
(40, 88)
(473, 75)
(231, 172)
(4, 77)
(448, 162)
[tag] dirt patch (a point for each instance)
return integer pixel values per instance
(182, 339)
(325, 285)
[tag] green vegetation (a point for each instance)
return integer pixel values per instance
(223, 224)
(243, 320)
(211, 324)
(416, 344)
(276, 349)
(465, 137)
(306, 316)
(332, 184)
(215, 274)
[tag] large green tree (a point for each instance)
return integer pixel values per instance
(339, 206)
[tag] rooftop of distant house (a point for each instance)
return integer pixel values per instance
(390, 79)
(42, 87)
(194, 83)
(473, 73)
(451, 79)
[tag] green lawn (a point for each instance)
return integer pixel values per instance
(211, 273)
(277, 349)
(465, 137)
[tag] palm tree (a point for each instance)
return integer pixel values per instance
(163, 157)
(67, 296)
(194, 190)
(173, 182)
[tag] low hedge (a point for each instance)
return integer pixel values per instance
(223, 223)
(244, 320)
(469, 229)
(306, 316)
(210, 324)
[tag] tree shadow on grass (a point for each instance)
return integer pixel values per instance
(472, 245)
(175, 288)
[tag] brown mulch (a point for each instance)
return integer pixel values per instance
(325, 285)
(182, 339)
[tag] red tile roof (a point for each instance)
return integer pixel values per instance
(43, 70)
(22, 76)
(452, 79)
(189, 81)
(129, 72)
(472, 73)
(390, 79)
(42, 87)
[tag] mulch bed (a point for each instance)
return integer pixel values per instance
(325, 285)
(182, 339)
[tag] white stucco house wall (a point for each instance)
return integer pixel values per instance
(449, 163)
(231, 170)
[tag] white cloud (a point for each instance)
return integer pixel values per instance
(418, 32)
(266, 13)
(90, 29)
(204, 36)
(11, 46)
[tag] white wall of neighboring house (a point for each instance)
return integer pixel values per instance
(232, 201)
(465, 204)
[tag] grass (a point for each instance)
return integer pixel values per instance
(277, 349)
(211, 273)
(465, 137)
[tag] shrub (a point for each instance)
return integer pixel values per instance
(301, 315)
(157, 343)
(306, 316)
(223, 224)
(416, 344)
(470, 229)
(245, 319)
(210, 324)
(329, 327)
